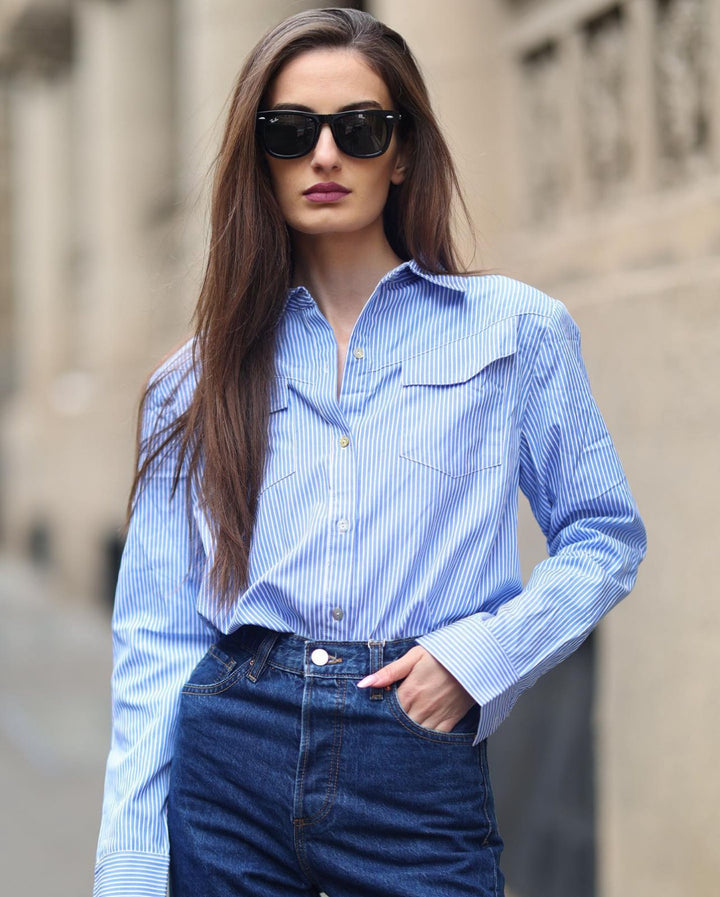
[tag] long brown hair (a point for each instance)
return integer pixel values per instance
(222, 435)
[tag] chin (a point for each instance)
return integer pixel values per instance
(326, 231)
(332, 224)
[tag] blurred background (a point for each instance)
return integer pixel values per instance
(587, 134)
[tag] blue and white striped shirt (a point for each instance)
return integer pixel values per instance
(389, 512)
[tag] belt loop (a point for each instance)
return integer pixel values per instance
(376, 662)
(257, 664)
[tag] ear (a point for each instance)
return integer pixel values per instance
(400, 168)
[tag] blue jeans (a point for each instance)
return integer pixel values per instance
(287, 780)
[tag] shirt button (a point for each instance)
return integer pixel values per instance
(344, 441)
(338, 613)
(359, 352)
(343, 525)
(319, 657)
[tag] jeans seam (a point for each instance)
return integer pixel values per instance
(216, 688)
(299, 835)
(489, 828)
(298, 825)
(333, 771)
(229, 664)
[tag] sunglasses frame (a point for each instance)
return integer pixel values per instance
(330, 119)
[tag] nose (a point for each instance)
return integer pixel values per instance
(326, 154)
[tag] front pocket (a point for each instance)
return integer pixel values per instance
(454, 737)
(453, 402)
(216, 672)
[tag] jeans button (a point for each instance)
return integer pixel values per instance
(319, 657)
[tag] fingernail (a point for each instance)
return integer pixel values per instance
(368, 680)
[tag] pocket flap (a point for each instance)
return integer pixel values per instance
(461, 359)
(278, 394)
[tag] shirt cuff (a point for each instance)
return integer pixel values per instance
(131, 874)
(470, 652)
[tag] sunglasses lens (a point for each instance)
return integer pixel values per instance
(288, 134)
(362, 134)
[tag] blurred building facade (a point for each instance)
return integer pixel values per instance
(587, 133)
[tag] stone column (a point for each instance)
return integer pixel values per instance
(467, 73)
(713, 71)
(641, 99)
(38, 51)
(123, 179)
(6, 317)
(124, 175)
(573, 146)
(39, 116)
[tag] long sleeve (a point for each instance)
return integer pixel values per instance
(158, 637)
(571, 474)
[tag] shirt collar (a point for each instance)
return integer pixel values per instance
(403, 273)
(455, 282)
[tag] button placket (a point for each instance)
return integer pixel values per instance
(342, 463)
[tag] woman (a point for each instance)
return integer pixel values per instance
(320, 616)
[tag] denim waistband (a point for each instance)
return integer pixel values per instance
(319, 658)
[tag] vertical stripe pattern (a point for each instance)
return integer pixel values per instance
(388, 512)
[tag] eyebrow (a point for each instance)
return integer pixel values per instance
(298, 107)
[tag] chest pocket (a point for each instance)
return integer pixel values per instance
(453, 404)
(280, 457)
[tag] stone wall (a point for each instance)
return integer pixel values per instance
(622, 221)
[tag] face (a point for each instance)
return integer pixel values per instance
(325, 81)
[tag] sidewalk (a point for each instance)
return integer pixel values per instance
(55, 660)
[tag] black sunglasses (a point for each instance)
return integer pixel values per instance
(290, 134)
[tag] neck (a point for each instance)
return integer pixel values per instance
(341, 271)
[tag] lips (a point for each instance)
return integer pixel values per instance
(326, 192)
